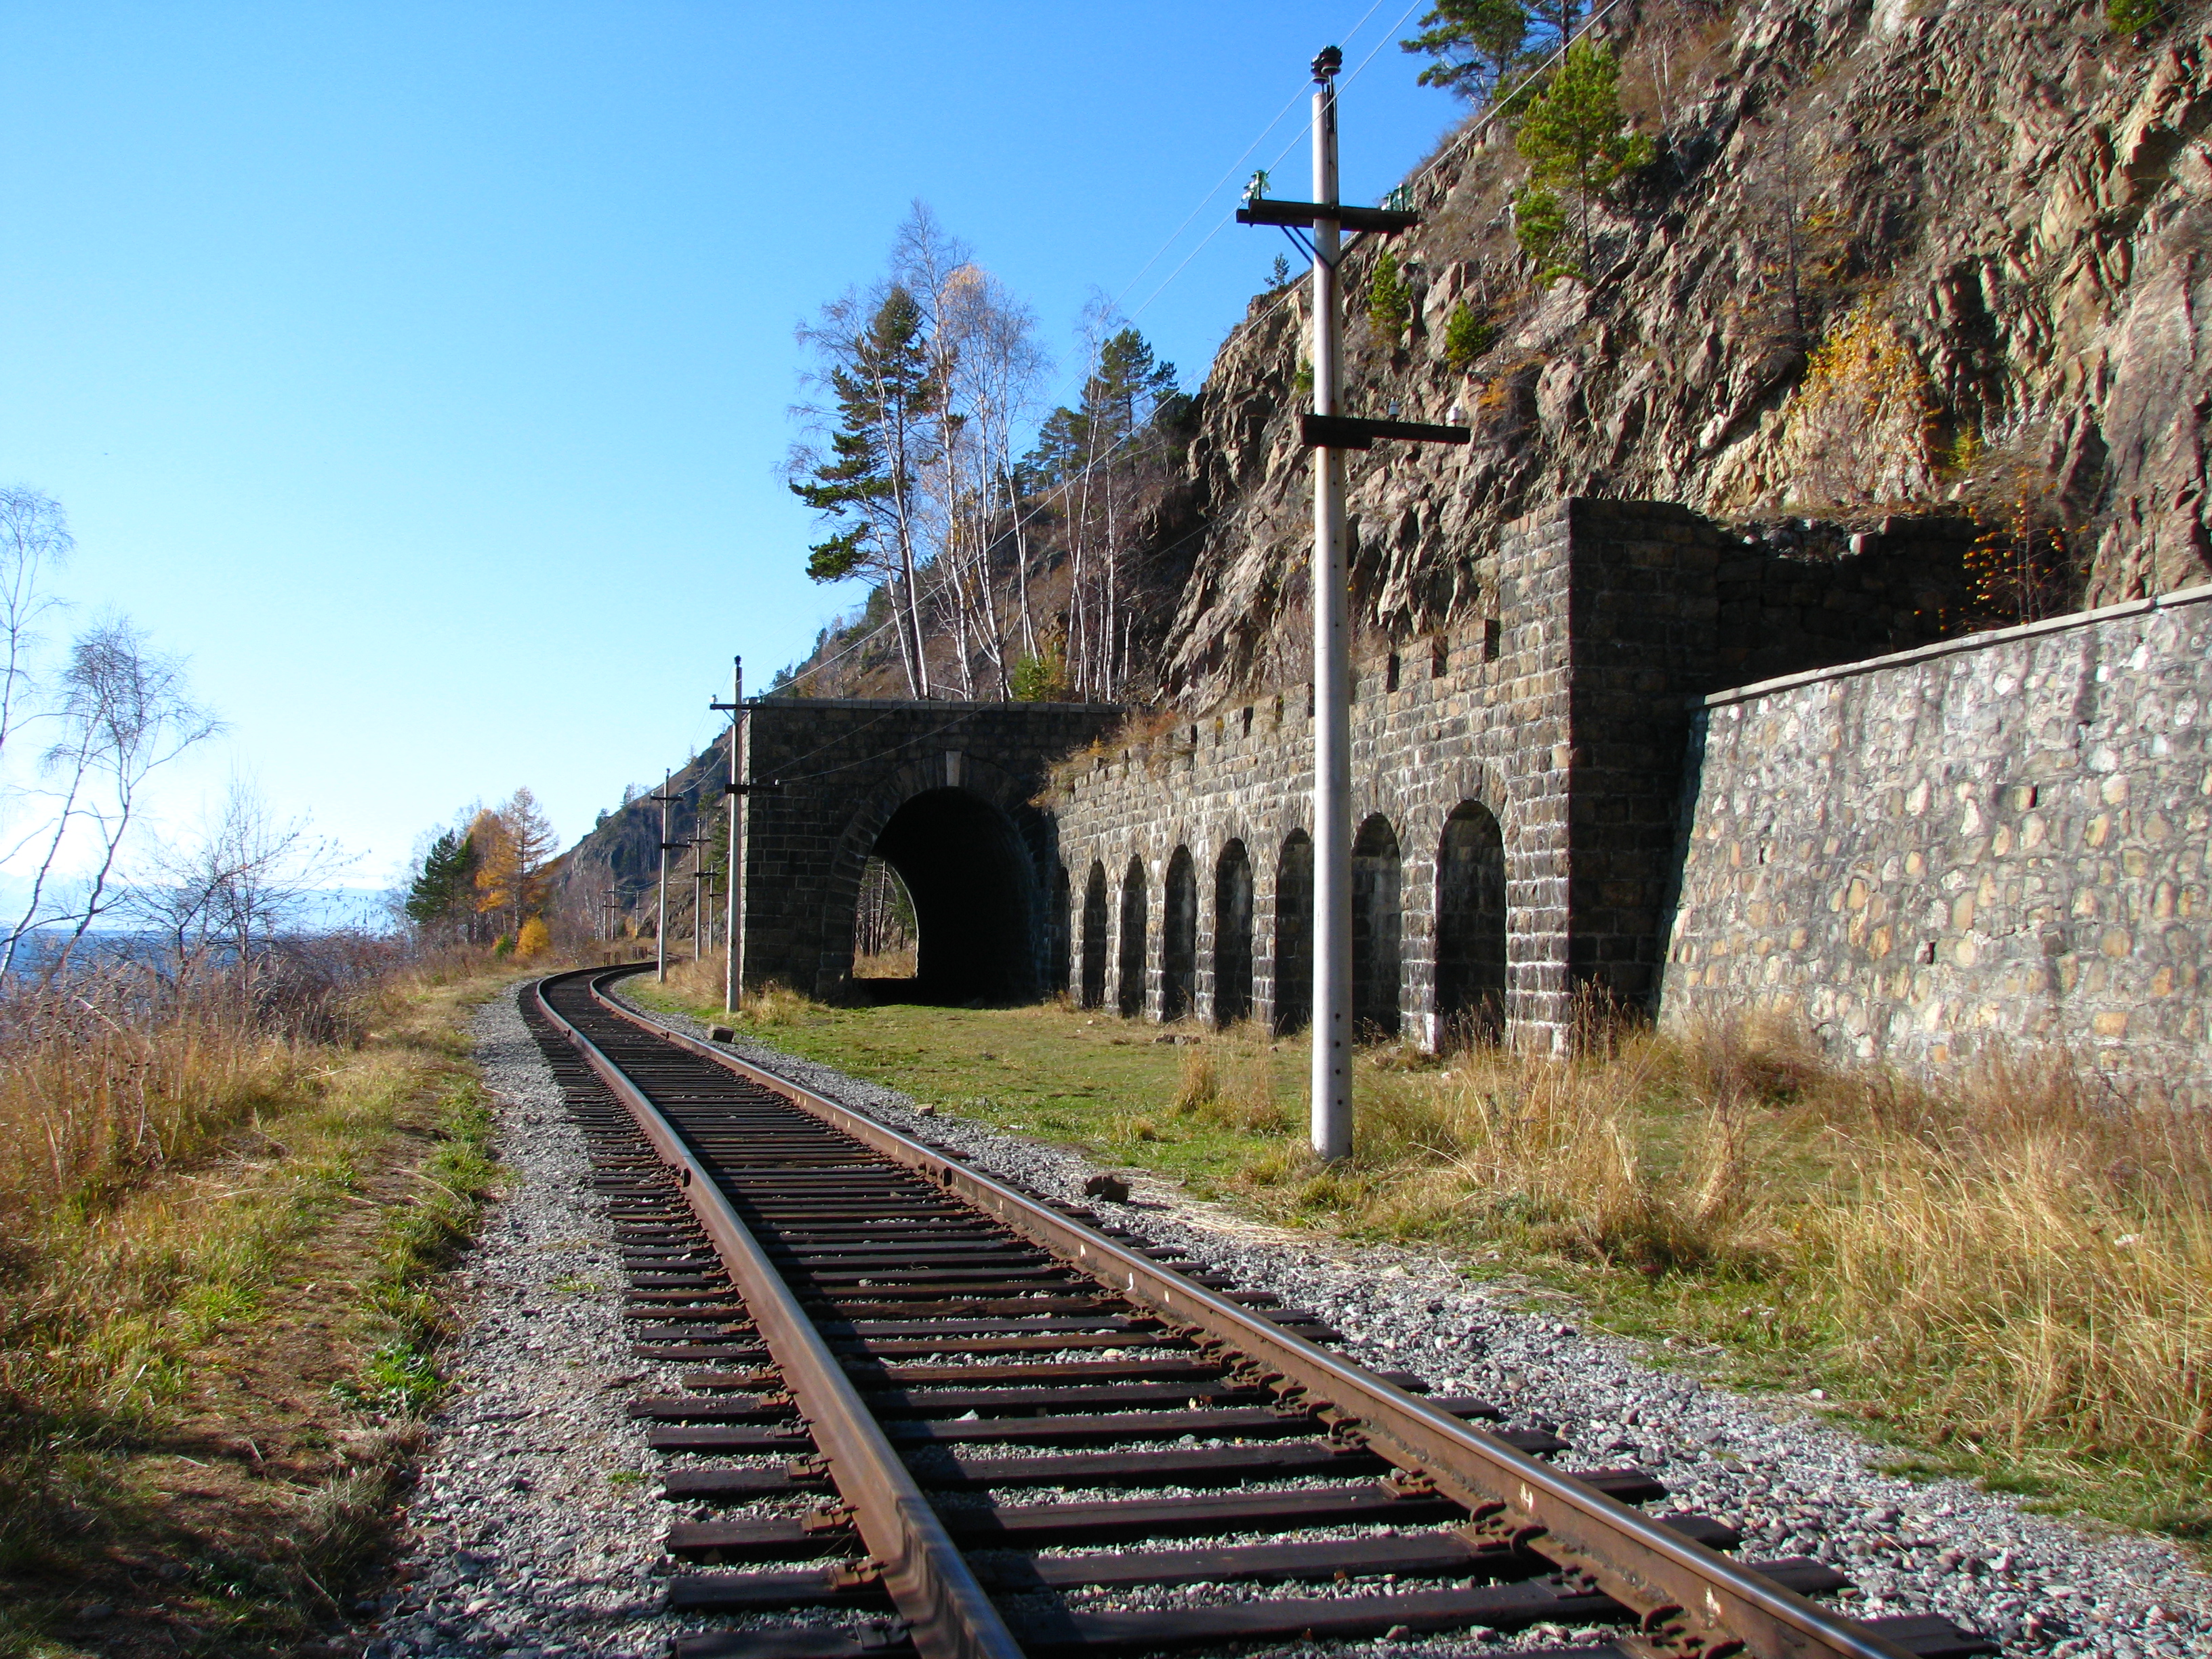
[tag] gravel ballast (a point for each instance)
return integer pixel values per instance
(536, 1527)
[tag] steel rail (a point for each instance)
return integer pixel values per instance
(948, 1614)
(1691, 1602)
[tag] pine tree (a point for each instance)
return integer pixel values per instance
(1467, 337)
(882, 377)
(1575, 140)
(1390, 301)
(1478, 44)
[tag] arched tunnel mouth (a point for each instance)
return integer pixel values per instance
(973, 888)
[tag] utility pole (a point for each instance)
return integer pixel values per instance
(739, 788)
(660, 922)
(1328, 433)
(1332, 809)
(698, 846)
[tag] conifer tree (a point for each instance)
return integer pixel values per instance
(530, 835)
(441, 888)
(494, 876)
(1390, 301)
(1478, 44)
(1467, 337)
(880, 373)
(1576, 142)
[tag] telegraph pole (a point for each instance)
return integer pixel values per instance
(698, 845)
(1329, 434)
(1332, 811)
(738, 789)
(660, 923)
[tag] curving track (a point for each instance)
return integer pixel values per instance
(951, 1418)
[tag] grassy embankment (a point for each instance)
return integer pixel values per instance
(2009, 1278)
(218, 1232)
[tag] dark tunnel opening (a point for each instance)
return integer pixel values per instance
(975, 902)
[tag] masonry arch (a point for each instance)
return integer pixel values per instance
(1294, 884)
(1096, 917)
(1179, 937)
(1378, 928)
(1232, 935)
(1131, 990)
(975, 900)
(1059, 941)
(1471, 927)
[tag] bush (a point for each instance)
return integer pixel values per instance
(1467, 337)
(534, 938)
(2133, 16)
(1043, 677)
(1390, 301)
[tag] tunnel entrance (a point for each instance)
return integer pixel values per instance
(971, 889)
(884, 929)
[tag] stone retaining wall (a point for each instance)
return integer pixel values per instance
(2002, 838)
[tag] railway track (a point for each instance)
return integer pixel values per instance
(934, 1414)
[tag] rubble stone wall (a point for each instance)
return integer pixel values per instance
(2000, 837)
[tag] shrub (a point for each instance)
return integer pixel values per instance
(534, 938)
(1467, 337)
(1390, 301)
(2133, 16)
(1043, 678)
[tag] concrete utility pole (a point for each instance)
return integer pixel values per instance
(661, 924)
(1329, 434)
(1332, 809)
(699, 876)
(733, 922)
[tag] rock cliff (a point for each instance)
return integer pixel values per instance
(1893, 260)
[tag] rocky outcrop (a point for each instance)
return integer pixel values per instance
(1946, 259)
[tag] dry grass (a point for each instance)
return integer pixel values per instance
(885, 964)
(698, 986)
(2014, 1271)
(170, 1163)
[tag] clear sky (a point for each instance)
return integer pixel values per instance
(421, 372)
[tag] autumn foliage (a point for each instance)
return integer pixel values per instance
(488, 880)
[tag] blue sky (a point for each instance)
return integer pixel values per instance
(423, 372)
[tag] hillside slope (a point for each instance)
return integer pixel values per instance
(1892, 258)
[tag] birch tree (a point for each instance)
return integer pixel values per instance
(122, 712)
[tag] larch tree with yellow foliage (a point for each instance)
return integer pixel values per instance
(514, 844)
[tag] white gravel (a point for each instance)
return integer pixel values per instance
(532, 1532)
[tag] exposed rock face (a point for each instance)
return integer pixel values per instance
(1894, 257)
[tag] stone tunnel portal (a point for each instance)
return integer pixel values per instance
(975, 902)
